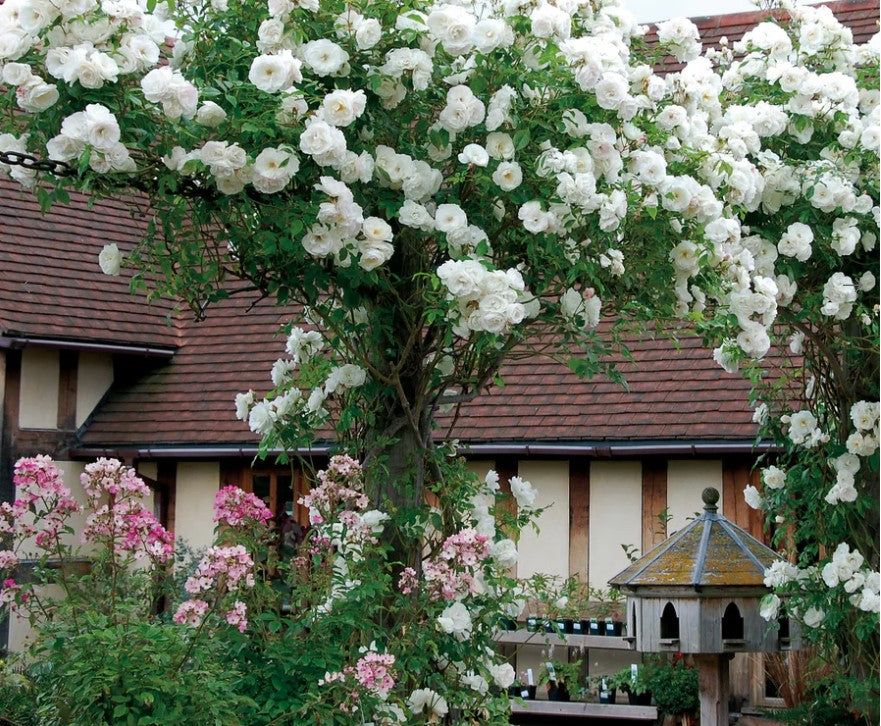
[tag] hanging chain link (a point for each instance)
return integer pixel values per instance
(28, 161)
(186, 187)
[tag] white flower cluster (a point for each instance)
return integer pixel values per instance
(291, 403)
(97, 129)
(861, 584)
(486, 300)
(32, 93)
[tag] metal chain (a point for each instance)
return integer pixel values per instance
(186, 187)
(28, 161)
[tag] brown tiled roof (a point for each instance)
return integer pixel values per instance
(675, 394)
(861, 16)
(50, 282)
(190, 399)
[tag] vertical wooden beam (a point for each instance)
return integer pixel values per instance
(713, 683)
(166, 486)
(579, 518)
(506, 467)
(736, 475)
(654, 501)
(68, 365)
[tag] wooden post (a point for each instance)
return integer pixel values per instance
(713, 683)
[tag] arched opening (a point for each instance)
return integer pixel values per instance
(783, 632)
(669, 623)
(732, 623)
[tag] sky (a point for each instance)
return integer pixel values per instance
(648, 10)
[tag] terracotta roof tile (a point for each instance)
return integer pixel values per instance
(52, 287)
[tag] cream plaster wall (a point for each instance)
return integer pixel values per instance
(615, 517)
(94, 376)
(38, 398)
(685, 482)
(480, 467)
(148, 469)
(197, 483)
(548, 551)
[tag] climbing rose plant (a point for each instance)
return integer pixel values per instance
(441, 186)
(290, 638)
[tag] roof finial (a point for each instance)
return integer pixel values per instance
(710, 495)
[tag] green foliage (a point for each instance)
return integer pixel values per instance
(674, 685)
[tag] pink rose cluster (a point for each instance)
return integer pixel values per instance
(124, 523)
(223, 569)
(340, 486)
(373, 672)
(41, 492)
(237, 508)
(452, 574)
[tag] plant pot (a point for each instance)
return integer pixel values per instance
(643, 699)
(613, 628)
(558, 692)
(593, 627)
(550, 626)
(607, 696)
(507, 624)
(579, 627)
(532, 623)
(527, 693)
(564, 625)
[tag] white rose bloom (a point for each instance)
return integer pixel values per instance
(801, 425)
(423, 698)
(16, 74)
(413, 214)
(500, 145)
(474, 154)
(210, 115)
(273, 169)
(324, 56)
(273, 73)
(261, 418)
(345, 377)
(503, 674)
(455, 620)
(325, 143)
(796, 242)
(612, 91)
(244, 401)
(508, 175)
(368, 34)
(523, 492)
(505, 553)
(752, 497)
(110, 260)
(449, 217)
(374, 253)
(774, 478)
(769, 607)
(864, 415)
(780, 573)
(813, 617)
(34, 95)
(342, 107)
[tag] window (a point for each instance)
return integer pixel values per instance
(732, 623)
(669, 623)
(280, 489)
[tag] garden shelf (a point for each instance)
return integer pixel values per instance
(585, 710)
(526, 637)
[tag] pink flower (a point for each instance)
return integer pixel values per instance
(190, 612)
(237, 616)
(235, 507)
(374, 672)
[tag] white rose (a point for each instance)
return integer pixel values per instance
(505, 553)
(769, 607)
(110, 259)
(474, 154)
(752, 497)
(508, 175)
(374, 253)
(523, 492)
(342, 107)
(774, 478)
(449, 217)
(368, 34)
(455, 620)
(273, 73)
(813, 617)
(210, 115)
(324, 56)
(503, 674)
